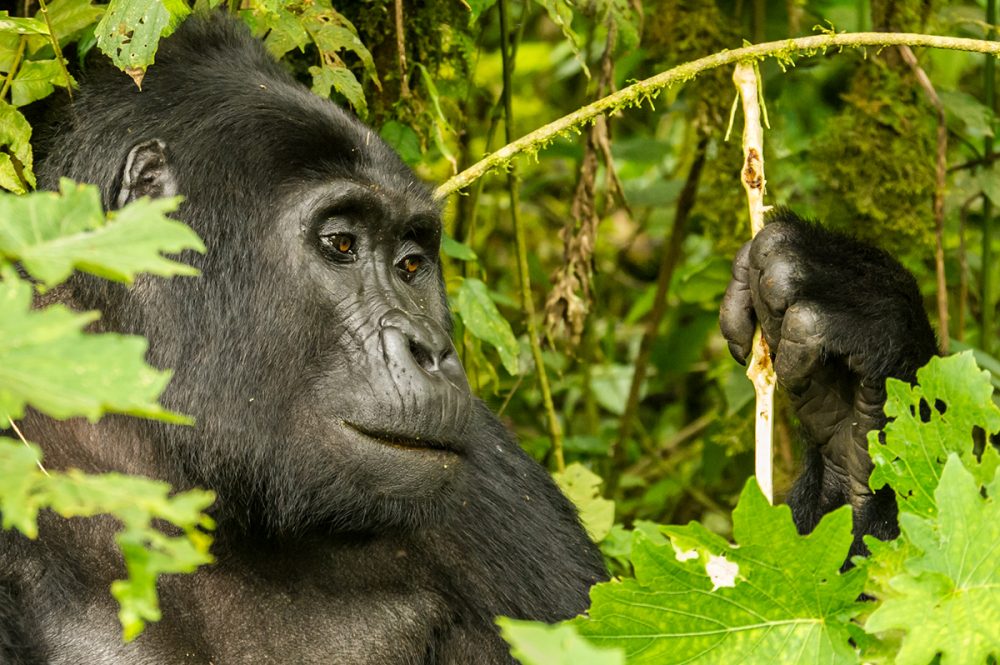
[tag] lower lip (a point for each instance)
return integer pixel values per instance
(413, 445)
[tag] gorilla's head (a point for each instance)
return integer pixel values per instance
(314, 351)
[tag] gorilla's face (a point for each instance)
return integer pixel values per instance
(385, 403)
(314, 350)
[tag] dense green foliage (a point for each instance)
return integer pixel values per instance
(605, 220)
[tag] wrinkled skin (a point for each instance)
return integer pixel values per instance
(370, 510)
(840, 318)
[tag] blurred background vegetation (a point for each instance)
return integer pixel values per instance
(852, 142)
(648, 196)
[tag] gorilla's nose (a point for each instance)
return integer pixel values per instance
(419, 340)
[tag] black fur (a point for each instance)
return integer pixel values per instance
(369, 509)
(840, 317)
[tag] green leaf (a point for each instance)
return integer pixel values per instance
(15, 150)
(442, 128)
(130, 31)
(610, 385)
(958, 398)
(583, 487)
(948, 599)
(52, 233)
(35, 80)
(535, 643)
(776, 597)
(477, 7)
(456, 249)
(561, 13)
(137, 502)
(46, 360)
(343, 81)
(285, 32)
(22, 26)
(484, 321)
(403, 140)
(968, 113)
(68, 19)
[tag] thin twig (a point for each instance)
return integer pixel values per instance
(404, 84)
(759, 369)
(527, 302)
(21, 43)
(987, 288)
(55, 47)
(17, 431)
(637, 93)
(963, 268)
(942, 168)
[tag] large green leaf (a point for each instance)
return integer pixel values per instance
(481, 317)
(46, 360)
(137, 502)
(948, 599)
(130, 31)
(956, 398)
(775, 597)
(52, 233)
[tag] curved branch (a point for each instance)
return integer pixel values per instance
(638, 92)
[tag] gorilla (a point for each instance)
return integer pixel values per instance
(370, 510)
(840, 317)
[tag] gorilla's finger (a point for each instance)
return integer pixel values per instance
(800, 351)
(736, 316)
(770, 239)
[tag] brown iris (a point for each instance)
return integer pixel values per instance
(411, 264)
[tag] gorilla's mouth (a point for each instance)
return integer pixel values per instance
(401, 441)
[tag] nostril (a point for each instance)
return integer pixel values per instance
(423, 356)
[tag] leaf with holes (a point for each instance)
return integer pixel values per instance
(482, 318)
(16, 174)
(130, 31)
(774, 597)
(957, 399)
(947, 601)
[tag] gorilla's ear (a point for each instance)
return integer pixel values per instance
(147, 172)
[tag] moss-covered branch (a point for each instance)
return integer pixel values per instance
(636, 93)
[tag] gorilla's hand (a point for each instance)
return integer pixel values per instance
(839, 317)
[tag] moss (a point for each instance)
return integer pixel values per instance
(876, 160)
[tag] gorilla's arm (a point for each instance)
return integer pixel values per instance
(840, 318)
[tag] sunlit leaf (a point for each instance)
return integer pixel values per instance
(46, 360)
(139, 503)
(15, 150)
(535, 643)
(52, 233)
(776, 597)
(956, 398)
(947, 601)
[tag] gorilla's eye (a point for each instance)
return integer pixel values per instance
(410, 265)
(339, 245)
